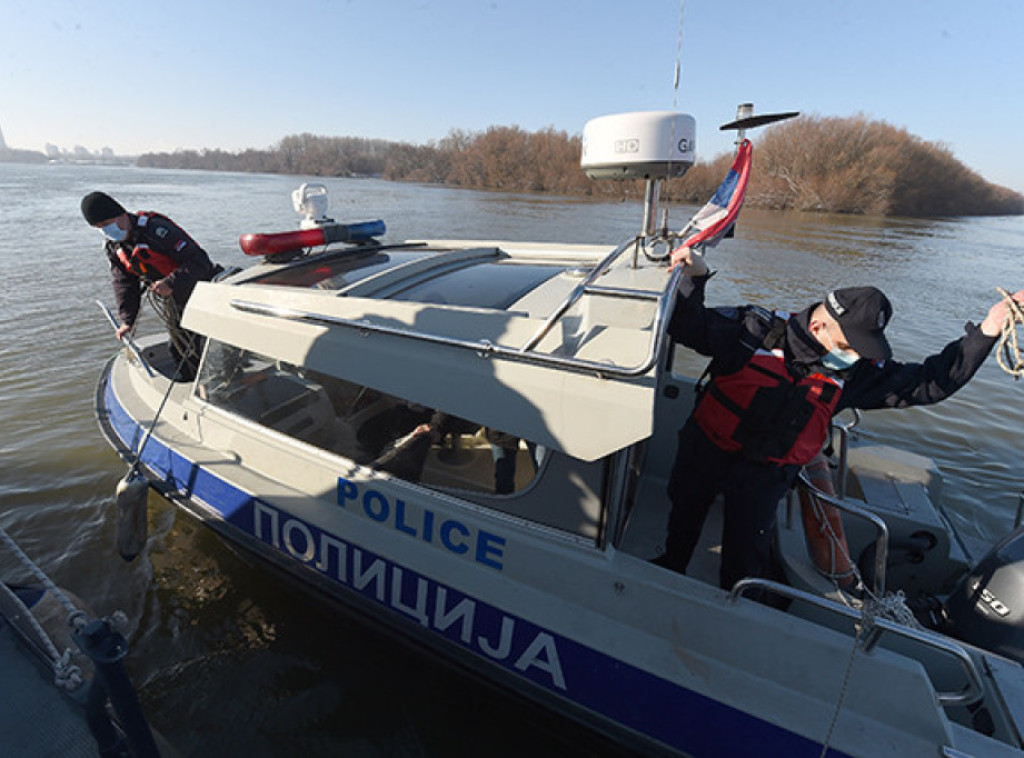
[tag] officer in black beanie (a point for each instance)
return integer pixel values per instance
(147, 250)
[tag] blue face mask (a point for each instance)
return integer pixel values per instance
(113, 232)
(839, 360)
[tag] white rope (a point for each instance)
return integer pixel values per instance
(1008, 353)
(842, 696)
(892, 607)
(41, 577)
(66, 674)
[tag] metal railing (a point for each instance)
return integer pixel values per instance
(839, 501)
(972, 693)
(587, 286)
(881, 529)
(844, 446)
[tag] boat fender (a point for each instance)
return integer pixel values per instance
(132, 496)
(823, 526)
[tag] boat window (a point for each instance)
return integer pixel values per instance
(494, 285)
(366, 426)
(340, 271)
(405, 440)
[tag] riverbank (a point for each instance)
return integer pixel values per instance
(825, 165)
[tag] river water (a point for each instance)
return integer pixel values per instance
(233, 661)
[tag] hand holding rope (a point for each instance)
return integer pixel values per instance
(167, 311)
(1009, 354)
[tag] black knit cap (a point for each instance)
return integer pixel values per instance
(99, 206)
(862, 313)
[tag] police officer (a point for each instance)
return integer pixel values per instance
(148, 250)
(773, 384)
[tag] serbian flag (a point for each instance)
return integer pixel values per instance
(714, 220)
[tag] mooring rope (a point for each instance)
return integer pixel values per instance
(38, 573)
(66, 674)
(890, 606)
(167, 311)
(1009, 354)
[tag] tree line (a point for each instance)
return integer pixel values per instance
(823, 164)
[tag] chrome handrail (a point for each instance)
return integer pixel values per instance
(844, 444)
(577, 292)
(971, 694)
(882, 529)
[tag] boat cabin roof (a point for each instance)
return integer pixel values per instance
(558, 344)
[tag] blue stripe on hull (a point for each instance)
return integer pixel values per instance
(686, 720)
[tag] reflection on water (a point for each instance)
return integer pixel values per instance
(230, 657)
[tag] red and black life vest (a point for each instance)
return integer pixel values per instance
(763, 409)
(145, 262)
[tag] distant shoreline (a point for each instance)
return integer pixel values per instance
(813, 164)
(827, 165)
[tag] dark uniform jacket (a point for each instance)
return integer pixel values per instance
(166, 238)
(718, 333)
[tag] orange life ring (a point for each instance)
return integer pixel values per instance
(823, 526)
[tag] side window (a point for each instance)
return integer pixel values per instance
(268, 392)
(389, 434)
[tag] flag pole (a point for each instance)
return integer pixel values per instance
(743, 111)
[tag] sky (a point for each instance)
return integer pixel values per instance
(143, 76)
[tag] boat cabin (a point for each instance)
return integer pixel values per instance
(509, 377)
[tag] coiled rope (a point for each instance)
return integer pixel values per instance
(1008, 354)
(167, 311)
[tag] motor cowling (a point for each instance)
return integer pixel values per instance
(987, 607)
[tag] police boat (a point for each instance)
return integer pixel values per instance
(470, 441)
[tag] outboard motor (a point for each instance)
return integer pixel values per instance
(987, 607)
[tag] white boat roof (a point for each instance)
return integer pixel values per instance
(450, 324)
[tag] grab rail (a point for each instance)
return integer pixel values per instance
(970, 695)
(882, 529)
(578, 291)
(844, 446)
